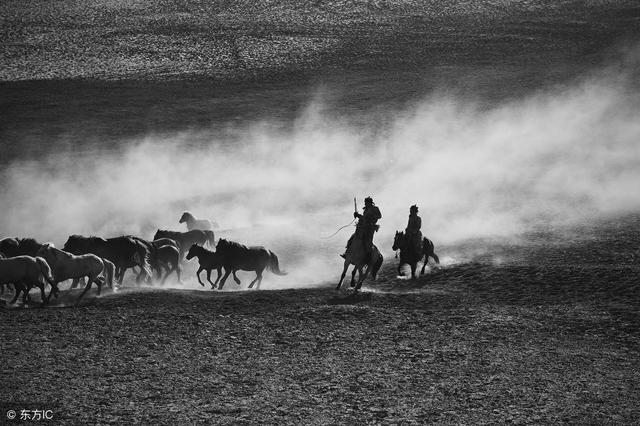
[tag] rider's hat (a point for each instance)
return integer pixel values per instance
(413, 208)
(368, 200)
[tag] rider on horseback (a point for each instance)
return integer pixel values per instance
(414, 235)
(367, 225)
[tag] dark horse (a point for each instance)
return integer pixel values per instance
(356, 256)
(409, 255)
(124, 252)
(208, 261)
(236, 257)
(12, 247)
(186, 239)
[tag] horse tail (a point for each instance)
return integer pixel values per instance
(109, 271)
(377, 265)
(273, 264)
(142, 260)
(45, 269)
(211, 238)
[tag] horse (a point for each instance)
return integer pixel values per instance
(169, 258)
(237, 257)
(109, 272)
(12, 247)
(68, 266)
(124, 252)
(409, 255)
(187, 239)
(356, 256)
(25, 272)
(193, 223)
(208, 261)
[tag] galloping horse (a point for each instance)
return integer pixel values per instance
(356, 256)
(68, 266)
(193, 223)
(236, 257)
(24, 272)
(409, 255)
(208, 261)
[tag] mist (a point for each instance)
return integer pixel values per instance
(560, 157)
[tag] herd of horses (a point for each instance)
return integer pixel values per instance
(25, 263)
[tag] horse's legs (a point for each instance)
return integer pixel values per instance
(209, 278)
(120, 274)
(86, 287)
(424, 265)
(353, 277)
(226, 275)
(200, 269)
(235, 277)
(363, 277)
(178, 270)
(74, 284)
(54, 290)
(26, 299)
(413, 270)
(344, 272)
(257, 278)
(219, 275)
(43, 295)
(18, 288)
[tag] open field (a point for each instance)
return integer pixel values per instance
(512, 124)
(547, 335)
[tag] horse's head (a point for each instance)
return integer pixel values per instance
(186, 216)
(193, 251)
(48, 250)
(398, 240)
(73, 244)
(222, 244)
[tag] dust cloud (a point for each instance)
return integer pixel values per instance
(565, 155)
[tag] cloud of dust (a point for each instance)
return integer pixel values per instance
(558, 157)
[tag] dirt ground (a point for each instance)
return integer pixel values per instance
(542, 330)
(547, 334)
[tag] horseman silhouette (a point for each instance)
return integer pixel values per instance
(409, 255)
(361, 251)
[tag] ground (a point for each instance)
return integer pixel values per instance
(538, 328)
(547, 334)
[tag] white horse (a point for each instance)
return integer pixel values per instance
(193, 223)
(68, 266)
(24, 272)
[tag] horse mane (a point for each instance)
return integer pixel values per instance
(28, 242)
(50, 247)
(204, 249)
